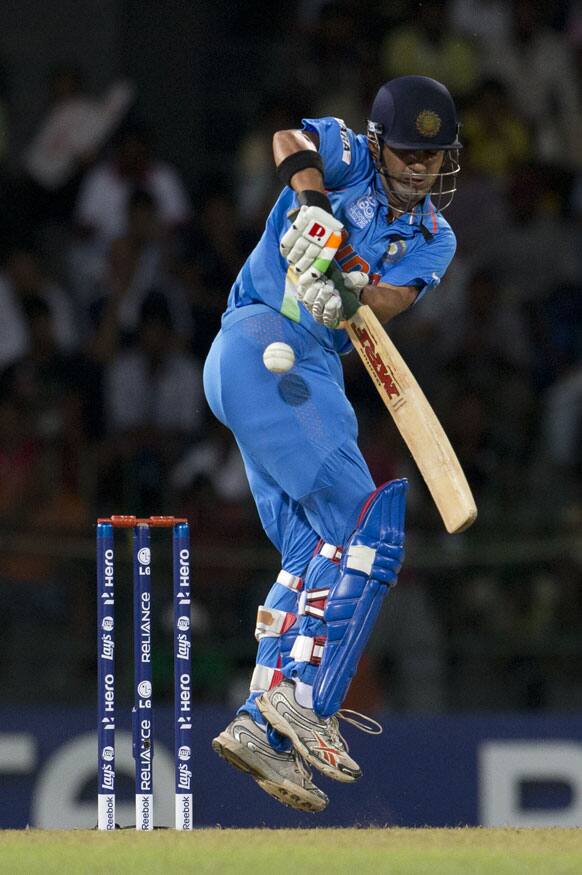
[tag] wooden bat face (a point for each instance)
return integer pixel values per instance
(381, 372)
(415, 419)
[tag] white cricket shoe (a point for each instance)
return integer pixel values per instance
(316, 739)
(283, 776)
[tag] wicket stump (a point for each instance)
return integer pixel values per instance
(142, 714)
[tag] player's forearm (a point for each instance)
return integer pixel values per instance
(286, 143)
(387, 300)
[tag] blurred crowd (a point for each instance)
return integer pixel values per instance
(114, 271)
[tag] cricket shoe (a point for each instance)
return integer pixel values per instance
(316, 739)
(282, 775)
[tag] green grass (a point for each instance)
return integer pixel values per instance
(294, 852)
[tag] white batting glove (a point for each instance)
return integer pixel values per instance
(323, 300)
(312, 241)
(355, 281)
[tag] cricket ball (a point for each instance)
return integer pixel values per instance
(278, 357)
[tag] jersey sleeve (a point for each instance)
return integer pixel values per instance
(425, 266)
(337, 147)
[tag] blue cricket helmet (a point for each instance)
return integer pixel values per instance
(415, 112)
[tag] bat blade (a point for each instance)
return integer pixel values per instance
(415, 420)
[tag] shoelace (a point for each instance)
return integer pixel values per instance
(371, 727)
(335, 735)
(366, 724)
(303, 769)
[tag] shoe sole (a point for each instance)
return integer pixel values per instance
(285, 793)
(281, 725)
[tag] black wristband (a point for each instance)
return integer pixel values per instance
(297, 161)
(309, 198)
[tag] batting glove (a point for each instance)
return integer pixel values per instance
(312, 241)
(326, 304)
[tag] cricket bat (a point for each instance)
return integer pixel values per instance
(414, 417)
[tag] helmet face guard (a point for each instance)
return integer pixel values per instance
(416, 113)
(444, 185)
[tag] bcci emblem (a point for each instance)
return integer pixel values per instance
(396, 249)
(428, 123)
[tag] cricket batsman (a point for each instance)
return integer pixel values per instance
(372, 205)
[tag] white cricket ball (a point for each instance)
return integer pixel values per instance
(278, 357)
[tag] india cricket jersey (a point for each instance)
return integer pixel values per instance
(413, 250)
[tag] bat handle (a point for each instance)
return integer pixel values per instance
(350, 301)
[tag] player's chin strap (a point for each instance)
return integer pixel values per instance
(369, 567)
(372, 133)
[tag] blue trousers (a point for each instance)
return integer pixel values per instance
(297, 434)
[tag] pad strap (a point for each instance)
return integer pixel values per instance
(312, 602)
(265, 678)
(271, 622)
(329, 551)
(291, 581)
(306, 649)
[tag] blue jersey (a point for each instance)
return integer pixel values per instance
(412, 250)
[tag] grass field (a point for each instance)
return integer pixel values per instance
(293, 852)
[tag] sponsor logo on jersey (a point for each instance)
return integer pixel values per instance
(345, 138)
(361, 211)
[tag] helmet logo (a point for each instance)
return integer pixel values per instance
(428, 123)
